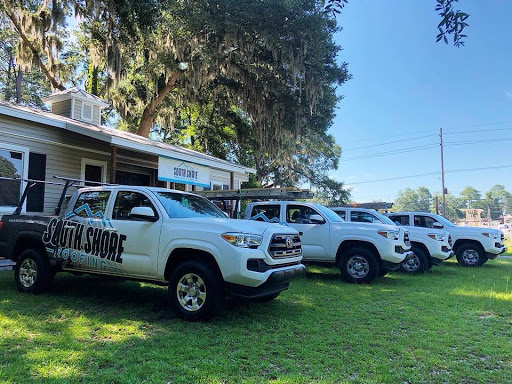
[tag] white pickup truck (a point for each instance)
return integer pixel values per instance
(361, 252)
(430, 246)
(157, 235)
(473, 246)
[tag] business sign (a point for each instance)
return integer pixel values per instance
(179, 171)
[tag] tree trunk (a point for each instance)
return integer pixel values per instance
(148, 116)
(19, 78)
(10, 69)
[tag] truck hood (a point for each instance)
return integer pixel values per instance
(348, 226)
(235, 225)
(475, 231)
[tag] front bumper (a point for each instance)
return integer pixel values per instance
(276, 282)
(495, 255)
(393, 266)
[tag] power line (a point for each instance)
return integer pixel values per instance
(433, 173)
(451, 143)
(389, 142)
(393, 152)
(394, 178)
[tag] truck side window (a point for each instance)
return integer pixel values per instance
(363, 217)
(401, 219)
(299, 214)
(125, 201)
(266, 212)
(90, 203)
(341, 214)
(424, 221)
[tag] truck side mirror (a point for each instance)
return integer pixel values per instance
(316, 219)
(437, 225)
(143, 213)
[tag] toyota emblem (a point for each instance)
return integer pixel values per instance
(289, 242)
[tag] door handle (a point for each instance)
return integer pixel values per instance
(109, 229)
(69, 227)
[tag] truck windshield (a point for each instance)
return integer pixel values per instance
(444, 221)
(331, 215)
(384, 219)
(181, 205)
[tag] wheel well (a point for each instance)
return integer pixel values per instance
(183, 254)
(421, 246)
(27, 242)
(462, 242)
(349, 244)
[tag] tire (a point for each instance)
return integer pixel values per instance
(471, 255)
(382, 271)
(196, 291)
(358, 266)
(417, 264)
(33, 273)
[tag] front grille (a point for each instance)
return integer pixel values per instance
(450, 241)
(407, 240)
(283, 246)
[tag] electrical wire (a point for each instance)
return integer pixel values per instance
(433, 173)
(389, 142)
(393, 152)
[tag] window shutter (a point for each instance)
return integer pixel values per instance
(36, 171)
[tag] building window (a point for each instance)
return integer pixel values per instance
(94, 170)
(13, 164)
(86, 112)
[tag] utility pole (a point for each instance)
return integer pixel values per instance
(442, 172)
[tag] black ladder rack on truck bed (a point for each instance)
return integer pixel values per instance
(69, 182)
(257, 194)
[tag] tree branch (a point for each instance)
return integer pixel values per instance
(53, 80)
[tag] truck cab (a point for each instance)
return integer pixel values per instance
(430, 246)
(362, 253)
(473, 246)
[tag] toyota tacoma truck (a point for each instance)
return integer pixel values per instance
(155, 235)
(473, 246)
(430, 246)
(362, 253)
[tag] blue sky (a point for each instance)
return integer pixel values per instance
(407, 86)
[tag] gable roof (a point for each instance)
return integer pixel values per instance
(119, 138)
(76, 93)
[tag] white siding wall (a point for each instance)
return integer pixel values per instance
(62, 108)
(63, 149)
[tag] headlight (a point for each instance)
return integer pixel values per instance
(436, 236)
(242, 240)
(389, 234)
(492, 235)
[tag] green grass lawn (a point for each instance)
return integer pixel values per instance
(450, 325)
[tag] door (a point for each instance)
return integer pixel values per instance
(141, 238)
(314, 237)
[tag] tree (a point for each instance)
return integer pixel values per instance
(16, 83)
(411, 200)
(453, 22)
(498, 201)
(469, 195)
(453, 206)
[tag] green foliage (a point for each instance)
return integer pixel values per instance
(413, 200)
(453, 207)
(18, 84)
(469, 195)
